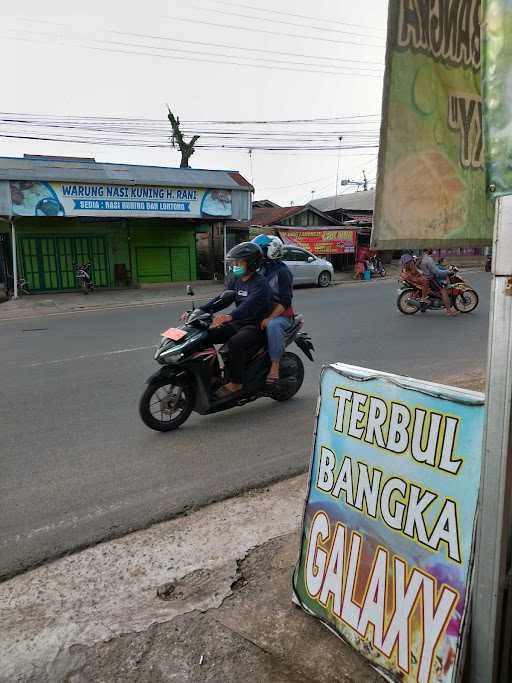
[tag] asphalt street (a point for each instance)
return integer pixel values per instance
(77, 464)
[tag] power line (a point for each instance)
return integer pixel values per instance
(281, 53)
(329, 20)
(287, 23)
(227, 59)
(142, 143)
(347, 119)
(287, 187)
(269, 32)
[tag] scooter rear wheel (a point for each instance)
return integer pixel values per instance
(166, 404)
(291, 377)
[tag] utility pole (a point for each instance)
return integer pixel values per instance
(338, 169)
(312, 194)
(365, 182)
(250, 167)
(490, 653)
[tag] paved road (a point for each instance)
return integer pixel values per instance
(77, 464)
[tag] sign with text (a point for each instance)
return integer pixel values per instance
(321, 241)
(431, 188)
(34, 198)
(498, 95)
(387, 539)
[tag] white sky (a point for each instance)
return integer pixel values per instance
(51, 72)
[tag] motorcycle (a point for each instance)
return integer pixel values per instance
(83, 275)
(193, 370)
(23, 288)
(462, 296)
(376, 267)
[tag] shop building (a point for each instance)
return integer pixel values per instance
(136, 225)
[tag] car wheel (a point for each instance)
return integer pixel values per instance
(324, 279)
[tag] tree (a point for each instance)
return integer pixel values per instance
(177, 140)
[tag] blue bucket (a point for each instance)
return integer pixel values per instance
(367, 275)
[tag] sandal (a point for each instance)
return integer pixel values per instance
(223, 393)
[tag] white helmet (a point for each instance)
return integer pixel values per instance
(275, 249)
(271, 246)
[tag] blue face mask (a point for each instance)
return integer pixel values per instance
(239, 271)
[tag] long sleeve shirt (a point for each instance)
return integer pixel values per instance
(253, 299)
(430, 269)
(280, 280)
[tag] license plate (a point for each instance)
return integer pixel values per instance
(174, 333)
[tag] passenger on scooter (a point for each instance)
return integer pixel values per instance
(241, 329)
(437, 276)
(410, 273)
(280, 279)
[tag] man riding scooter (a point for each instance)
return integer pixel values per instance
(280, 280)
(241, 329)
(437, 277)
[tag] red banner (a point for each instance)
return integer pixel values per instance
(322, 241)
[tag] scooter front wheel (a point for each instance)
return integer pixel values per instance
(166, 404)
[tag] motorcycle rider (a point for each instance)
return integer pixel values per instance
(437, 276)
(410, 273)
(241, 328)
(280, 280)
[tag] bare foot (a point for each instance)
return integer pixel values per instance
(273, 374)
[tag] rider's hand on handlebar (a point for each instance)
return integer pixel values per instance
(221, 320)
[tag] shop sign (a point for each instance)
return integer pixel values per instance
(322, 242)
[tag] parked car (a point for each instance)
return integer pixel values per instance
(308, 269)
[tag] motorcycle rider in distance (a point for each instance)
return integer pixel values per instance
(280, 280)
(435, 275)
(241, 330)
(410, 273)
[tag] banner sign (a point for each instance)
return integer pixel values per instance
(387, 538)
(431, 188)
(498, 95)
(33, 198)
(321, 241)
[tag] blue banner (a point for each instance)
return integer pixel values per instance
(115, 205)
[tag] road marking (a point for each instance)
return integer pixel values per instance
(87, 356)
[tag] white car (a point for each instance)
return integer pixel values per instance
(306, 268)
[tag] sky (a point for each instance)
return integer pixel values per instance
(210, 60)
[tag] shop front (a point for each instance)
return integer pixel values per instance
(131, 232)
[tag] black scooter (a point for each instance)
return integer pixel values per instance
(193, 370)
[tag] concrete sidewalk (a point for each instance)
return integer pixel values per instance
(200, 598)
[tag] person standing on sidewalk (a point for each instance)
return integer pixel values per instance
(280, 280)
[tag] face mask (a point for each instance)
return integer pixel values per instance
(239, 271)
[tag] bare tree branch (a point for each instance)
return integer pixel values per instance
(177, 140)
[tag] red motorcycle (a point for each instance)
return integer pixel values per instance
(462, 296)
